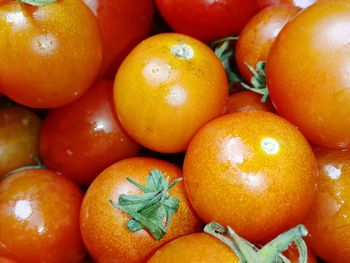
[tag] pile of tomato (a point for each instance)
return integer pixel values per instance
(174, 131)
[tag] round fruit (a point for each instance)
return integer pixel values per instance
(167, 88)
(104, 227)
(246, 101)
(252, 171)
(47, 59)
(19, 136)
(39, 218)
(307, 73)
(328, 221)
(83, 138)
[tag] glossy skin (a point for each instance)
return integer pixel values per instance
(83, 138)
(264, 168)
(258, 35)
(39, 218)
(246, 101)
(160, 95)
(207, 20)
(123, 23)
(293, 255)
(6, 260)
(298, 3)
(309, 83)
(19, 138)
(59, 60)
(328, 222)
(103, 226)
(193, 248)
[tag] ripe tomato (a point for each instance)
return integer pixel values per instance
(6, 260)
(298, 3)
(83, 138)
(103, 226)
(193, 248)
(19, 136)
(207, 20)
(309, 82)
(252, 171)
(328, 221)
(258, 35)
(246, 101)
(293, 255)
(123, 24)
(39, 218)
(167, 88)
(58, 59)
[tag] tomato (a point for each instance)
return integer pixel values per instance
(328, 221)
(167, 88)
(207, 20)
(309, 82)
(258, 35)
(103, 226)
(6, 260)
(39, 218)
(252, 171)
(19, 136)
(298, 3)
(123, 24)
(83, 138)
(247, 100)
(193, 248)
(293, 255)
(58, 60)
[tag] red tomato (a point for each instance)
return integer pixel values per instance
(83, 138)
(123, 24)
(49, 55)
(19, 136)
(207, 20)
(258, 35)
(307, 73)
(167, 88)
(328, 222)
(39, 218)
(6, 260)
(298, 3)
(103, 226)
(246, 101)
(253, 171)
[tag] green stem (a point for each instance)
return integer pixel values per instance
(38, 165)
(37, 2)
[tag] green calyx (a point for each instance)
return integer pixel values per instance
(153, 209)
(37, 2)
(38, 165)
(270, 253)
(258, 80)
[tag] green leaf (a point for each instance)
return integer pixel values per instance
(153, 209)
(37, 2)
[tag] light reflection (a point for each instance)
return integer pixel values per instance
(17, 19)
(44, 44)
(23, 209)
(177, 95)
(254, 181)
(157, 72)
(270, 146)
(332, 172)
(234, 150)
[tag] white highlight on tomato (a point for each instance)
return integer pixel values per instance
(23, 209)
(176, 96)
(270, 146)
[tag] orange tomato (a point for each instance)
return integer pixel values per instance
(253, 171)
(258, 35)
(39, 218)
(6, 260)
(328, 221)
(103, 226)
(246, 101)
(19, 136)
(193, 248)
(117, 38)
(167, 88)
(293, 255)
(59, 59)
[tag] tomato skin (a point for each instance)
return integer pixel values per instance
(193, 248)
(117, 38)
(328, 221)
(58, 61)
(39, 218)
(6, 260)
(256, 159)
(308, 83)
(19, 136)
(298, 3)
(293, 255)
(207, 20)
(103, 226)
(246, 101)
(258, 35)
(83, 138)
(160, 95)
